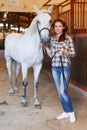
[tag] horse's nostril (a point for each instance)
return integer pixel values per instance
(45, 40)
(44, 44)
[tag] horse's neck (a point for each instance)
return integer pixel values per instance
(33, 27)
(32, 34)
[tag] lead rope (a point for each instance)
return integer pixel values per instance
(64, 78)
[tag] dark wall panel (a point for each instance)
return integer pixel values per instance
(79, 63)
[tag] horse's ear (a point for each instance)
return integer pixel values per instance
(36, 9)
(50, 9)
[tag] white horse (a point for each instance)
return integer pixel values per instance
(26, 51)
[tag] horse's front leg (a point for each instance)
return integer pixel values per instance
(24, 83)
(37, 69)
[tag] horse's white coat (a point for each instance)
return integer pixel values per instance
(26, 49)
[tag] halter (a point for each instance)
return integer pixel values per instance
(43, 29)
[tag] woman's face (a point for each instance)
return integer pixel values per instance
(58, 27)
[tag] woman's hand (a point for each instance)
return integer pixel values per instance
(66, 53)
(61, 52)
(47, 50)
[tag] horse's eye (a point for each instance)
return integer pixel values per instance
(51, 21)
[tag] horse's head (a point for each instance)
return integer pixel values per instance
(44, 23)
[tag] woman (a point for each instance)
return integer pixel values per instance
(61, 47)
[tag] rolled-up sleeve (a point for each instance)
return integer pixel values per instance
(71, 48)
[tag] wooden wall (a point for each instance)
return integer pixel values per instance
(20, 5)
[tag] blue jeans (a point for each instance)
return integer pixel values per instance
(62, 87)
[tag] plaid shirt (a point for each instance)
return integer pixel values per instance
(56, 46)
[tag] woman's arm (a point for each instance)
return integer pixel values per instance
(69, 49)
(47, 50)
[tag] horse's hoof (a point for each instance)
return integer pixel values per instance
(16, 89)
(37, 106)
(11, 92)
(24, 104)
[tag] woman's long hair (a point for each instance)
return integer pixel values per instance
(63, 35)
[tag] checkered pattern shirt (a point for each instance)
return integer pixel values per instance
(56, 46)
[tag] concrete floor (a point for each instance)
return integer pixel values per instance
(15, 117)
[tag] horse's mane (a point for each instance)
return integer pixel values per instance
(33, 26)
